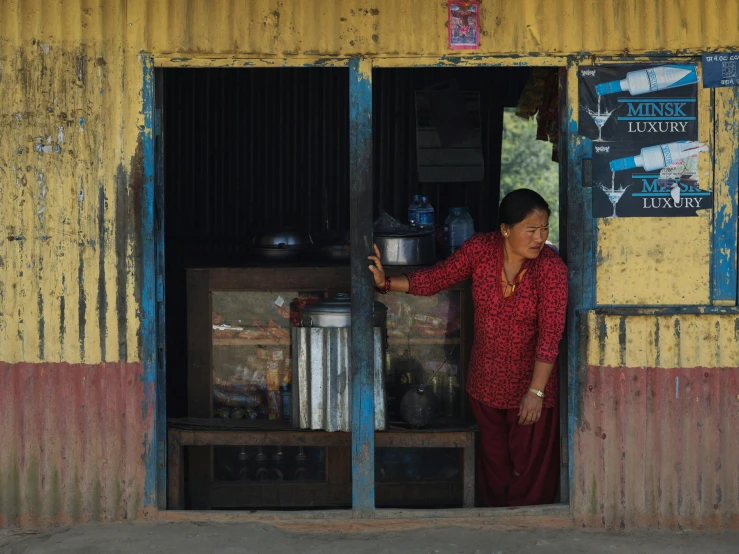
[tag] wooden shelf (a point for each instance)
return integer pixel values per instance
(287, 343)
(270, 494)
(250, 342)
(424, 340)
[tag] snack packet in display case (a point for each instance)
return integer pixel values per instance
(273, 376)
(274, 405)
(271, 354)
(287, 377)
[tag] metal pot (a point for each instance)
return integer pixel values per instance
(417, 249)
(336, 312)
(282, 239)
(285, 254)
(335, 253)
(280, 246)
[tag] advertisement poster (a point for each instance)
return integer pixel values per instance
(464, 24)
(643, 121)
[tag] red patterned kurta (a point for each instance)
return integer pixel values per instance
(511, 334)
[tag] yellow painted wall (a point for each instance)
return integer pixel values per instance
(69, 287)
(418, 27)
(663, 341)
(654, 261)
(70, 86)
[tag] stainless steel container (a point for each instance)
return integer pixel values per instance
(407, 250)
(336, 312)
(322, 379)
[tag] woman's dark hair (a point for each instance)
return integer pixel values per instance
(519, 204)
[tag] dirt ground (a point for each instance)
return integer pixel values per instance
(230, 538)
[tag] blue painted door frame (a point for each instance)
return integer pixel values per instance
(362, 291)
(580, 257)
(152, 298)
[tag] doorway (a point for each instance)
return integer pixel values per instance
(248, 150)
(504, 132)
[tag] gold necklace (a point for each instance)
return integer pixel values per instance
(516, 279)
(511, 284)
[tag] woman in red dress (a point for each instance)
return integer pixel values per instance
(519, 289)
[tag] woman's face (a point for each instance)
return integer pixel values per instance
(527, 238)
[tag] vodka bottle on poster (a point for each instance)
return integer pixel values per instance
(413, 209)
(657, 157)
(651, 80)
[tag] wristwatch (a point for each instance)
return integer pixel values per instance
(537, 392)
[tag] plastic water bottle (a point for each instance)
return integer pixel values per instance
(651, 80)
(413, 209)
(425, 214)
(452, 214)
(461, 228)
(659, 156)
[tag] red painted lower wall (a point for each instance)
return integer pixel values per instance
(657, 447)
(72, 442)
(654, 447)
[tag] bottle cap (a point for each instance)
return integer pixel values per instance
(424, 199)
(608, 88)
(622, 164)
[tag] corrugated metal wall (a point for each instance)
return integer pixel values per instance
(72, 438)
(657, 407)
(251, 150)
(418, 27)
(70, 196)
(70, 252)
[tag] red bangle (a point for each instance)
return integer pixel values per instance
(386, 288)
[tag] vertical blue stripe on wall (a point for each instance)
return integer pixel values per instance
(724, 255)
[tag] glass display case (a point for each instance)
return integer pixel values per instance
(251, 381)
(242, 449)
(425, 346)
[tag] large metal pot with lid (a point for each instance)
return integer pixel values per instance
(401, 244)
(337, 312)
(322, 373)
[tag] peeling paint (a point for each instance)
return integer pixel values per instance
(665, 341)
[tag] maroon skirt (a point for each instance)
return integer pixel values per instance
(517, 465)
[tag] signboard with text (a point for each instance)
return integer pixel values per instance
(721, 70)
